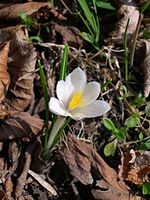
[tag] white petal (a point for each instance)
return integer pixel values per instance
(56, 107)
(76, 80)
(62, 92)
(77, 116)
(91, 92)
(95, 109)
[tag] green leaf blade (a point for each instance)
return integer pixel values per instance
(87, 12)
(146, 188)
(46, 99)
(64, 62)
(145, 6)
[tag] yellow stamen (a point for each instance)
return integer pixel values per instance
(75, 101)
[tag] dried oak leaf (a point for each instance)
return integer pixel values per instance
(21, 66)
(12, 11)
(135, 166)
(6, 33)
(20, 124)
(4, 75)
(20, 57)
(66, 35)
(128, 10)
(83, 161)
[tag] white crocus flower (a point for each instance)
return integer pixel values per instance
(77, 98)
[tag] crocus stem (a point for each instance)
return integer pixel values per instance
(56, 127)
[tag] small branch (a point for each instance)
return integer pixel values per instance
(131, 58)
(45, 184)
(22, 179)
(133, 142)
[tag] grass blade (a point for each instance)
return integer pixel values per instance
(86, 24)
(145, 6)
(94, 4)
(46, 99)
(64, 62)
(98, 30)
(88, 14)
(126, 52)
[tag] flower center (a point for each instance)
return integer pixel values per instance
(75, 101)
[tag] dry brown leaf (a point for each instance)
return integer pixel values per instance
(7, 33)
(83, 161)
(21, 66)
(3, 111)
(128, 10)
(66, 35)
(20, 125)
(11, 12)
(142, 57)
(4, 76)
(135, 166)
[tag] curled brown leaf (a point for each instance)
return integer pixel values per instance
(11, 12)
(21, 66)
(19, 125)
(83, 161)
(4, 75)
(20, 57)
(68, 35)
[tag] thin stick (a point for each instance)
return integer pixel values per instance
(133, 142)
(126, 52)
(22, 179)
(134, 41)
(42, 182)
